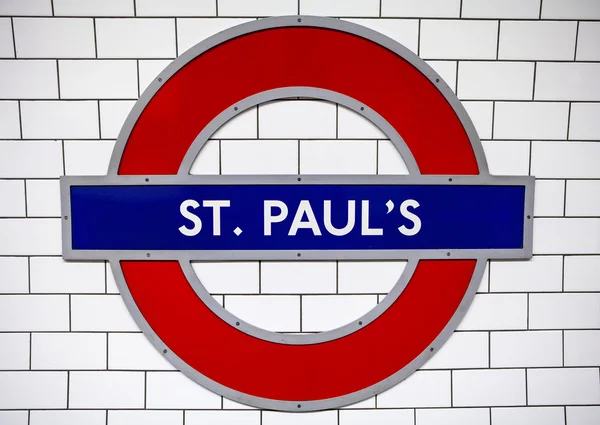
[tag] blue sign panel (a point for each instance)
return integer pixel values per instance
(297, 217)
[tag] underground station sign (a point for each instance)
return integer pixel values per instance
(150, 218)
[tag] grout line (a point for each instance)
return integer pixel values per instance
(569, 122)
(419, 38)
(300, 313)
(95, 39)
(25, 200)
(337, 121)
(298, 7)
(52, 7)
(30, 349)
(58, 78)
(498, 41)
(12, 27)
(576, 42)
(460, 9)
(216, 8)
(526, 389)
(139, 87)
(490, 350)
(451, 386)
(534, 78)
(176, 40)
(380, 7)
(20, 120)
(107, 358)
(540, 12)
(563, 347)
(68, 387)
(134, 8)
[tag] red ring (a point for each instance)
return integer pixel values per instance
(218, 79)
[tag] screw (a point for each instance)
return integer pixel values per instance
(235, 108)
(147, 179)
(237, 323)
(299, 20)
(165, 351)
(437, 80)
(448, 254)
(362, 108)
(148, 254)
(528, 217)
(160, 80)
(450, 179)
(299, 406)
(299, 179)
(66, 217)
(360, 323)
(299, 255)
(431, 349)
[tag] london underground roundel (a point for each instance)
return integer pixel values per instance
(150, 218)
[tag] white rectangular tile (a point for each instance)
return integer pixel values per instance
(98, 79)
(10, 120)
(449, 39)
(93, 7)
(104, 313)
(495, 80)
(29, 159)
(582, 348)
(488, 312)
(564, 311)
(32, 79)
(566, 236)
(582, 273)
(33, 390)
(298, 278)
(173, 390)
(424, 8)
(578, 81)
(526, 349)
(15, 272)
(70, 351)
(537, 40)
(563, 386)
(15, 351)
(136, 38)
(60, 119)
(176, 8)
(54, 37)
(504, 387)
(588, 41)
(339, 8)
(37, 236)
(531, 120)
(259, 156)
(297, 119)
(565, 160)
(54, 275)
(541, 273)
(12, 194)
(106, 390)
(338, 156)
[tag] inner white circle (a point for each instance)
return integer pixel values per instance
(299, 136)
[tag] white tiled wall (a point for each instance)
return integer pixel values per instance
(527, 352)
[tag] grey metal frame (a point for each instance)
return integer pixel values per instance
(70, 254)
(183, 178)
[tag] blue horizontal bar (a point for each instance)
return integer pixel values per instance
(153, 218)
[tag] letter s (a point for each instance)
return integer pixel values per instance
(183, 209)
(412, 217)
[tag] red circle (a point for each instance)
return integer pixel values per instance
(286, 57)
